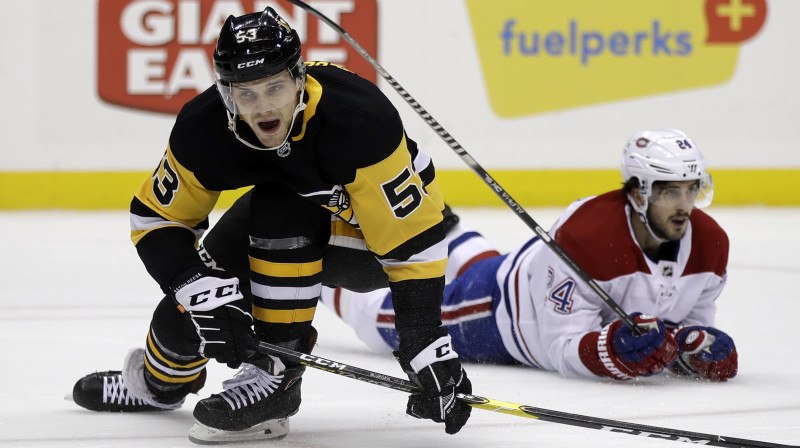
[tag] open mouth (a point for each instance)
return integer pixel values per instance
(680, 220)
(268, 125)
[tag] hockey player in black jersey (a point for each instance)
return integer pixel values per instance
(330, 167)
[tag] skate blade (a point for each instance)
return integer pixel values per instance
(268, 430)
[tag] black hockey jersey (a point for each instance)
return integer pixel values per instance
(348, 153)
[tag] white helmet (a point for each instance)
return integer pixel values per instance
(665, 155)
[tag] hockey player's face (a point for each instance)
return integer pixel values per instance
(267, 106)
(670, 206)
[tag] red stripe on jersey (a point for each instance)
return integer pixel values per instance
(452, 316)
(477, 258)
(385, 318)
(458, 314)
(337, 301)
(587, 350)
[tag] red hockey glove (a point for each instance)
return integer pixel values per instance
(706, 352)
(626, 356)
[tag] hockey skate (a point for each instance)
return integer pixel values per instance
(127, 390)
(255, 404)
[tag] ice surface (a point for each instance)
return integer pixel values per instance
(75, 298)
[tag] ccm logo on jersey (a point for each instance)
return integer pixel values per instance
(443, 350)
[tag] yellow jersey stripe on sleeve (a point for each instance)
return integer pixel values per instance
(137, 235)
(415, 271)
(174, 193)
(341, 228)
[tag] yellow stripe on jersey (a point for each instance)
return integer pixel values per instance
(435, 194)
(175, 194)
(390, 204)
(344, 215)
(170, 379)
(171, 364)
(341, 228)
(284, 316)
(416, 271)
(314, 89)
(285, 269)
(137, 235)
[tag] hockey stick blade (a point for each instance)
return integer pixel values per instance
(520, 410)
(477, 168)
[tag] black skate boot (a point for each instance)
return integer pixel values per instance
(256, 403)
(108, 392)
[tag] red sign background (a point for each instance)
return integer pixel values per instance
(156, 56)
(734, 21)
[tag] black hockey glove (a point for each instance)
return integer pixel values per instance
(219, 313)
(437, 370)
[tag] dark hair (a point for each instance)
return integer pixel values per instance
(631, 185)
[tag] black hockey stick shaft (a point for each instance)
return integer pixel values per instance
(519, 410)
(462, 153)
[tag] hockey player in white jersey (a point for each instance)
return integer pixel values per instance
(647, 245)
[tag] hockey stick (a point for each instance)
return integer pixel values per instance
(462, 153)
(519, 410)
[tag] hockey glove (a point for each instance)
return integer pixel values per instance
(218, 312)
(626, 356)
(437, 370)
(705, 352)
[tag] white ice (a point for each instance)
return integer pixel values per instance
(74, 297)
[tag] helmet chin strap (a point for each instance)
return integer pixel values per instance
(283, 148)
(642, 211)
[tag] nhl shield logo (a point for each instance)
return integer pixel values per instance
(284, 150)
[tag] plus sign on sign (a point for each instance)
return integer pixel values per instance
(731, 21)
(156, 54)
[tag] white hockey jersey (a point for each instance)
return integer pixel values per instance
(549, 318)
